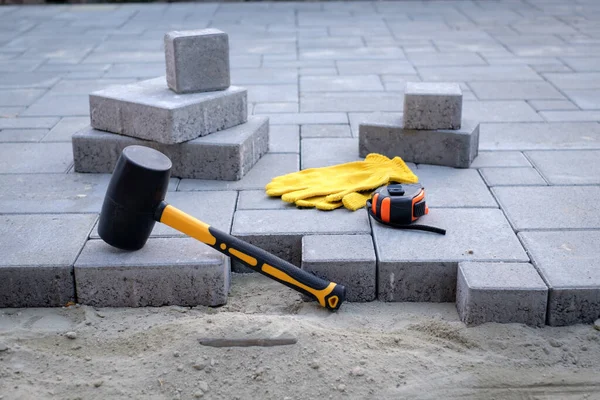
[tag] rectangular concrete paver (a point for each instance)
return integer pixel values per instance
(576, 167)
(38, 252)
(22, 135)
(512, 176)
(258, 200)
(167, 271)
(432, 105)
(321, 131)
(423, 267)
(26, 158)
(515, 90)
(500, 159)
(499, 111)
(284, 139)
(568, 261)
(345, 259)
(330, 151)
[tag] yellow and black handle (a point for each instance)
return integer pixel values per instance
(329, 294)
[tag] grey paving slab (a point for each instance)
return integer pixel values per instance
(167, 271)
(500, 159)
(85, 86)
(351, 101)
(579, 80)
(424, 267)
(550, 207)
(197, 61)
(539, 136)
(149, 110)
(283, 107)
(340, 83)
(552, 105)
(316, 152)
(319, 71)
(280, 231)
(479, 73)
(323, 131)
(24, 80)
(22, 135)
(568, 167)
(357, 53)
(135, 70)
(512, 176)
(361, 67)
(429, 106)
(26, 158)
(38, 252)
(500, 111)
(66, 127)
(445, 59)
(258, 200)
(500, 292)
(10, 112)
(272, 94)
(268, 167)
(264, 76)
(571, 116)
(284, 139)
(451, 187)
(19, 97)
(124, 57)
(515, 90)
(64, 105)
(583, 64)
(585, 99)
(308, 118)
(28, 123)
(345, 259)
(568, 262)
(225, 155)
(385, 134)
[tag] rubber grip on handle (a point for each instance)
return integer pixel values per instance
(329, 294)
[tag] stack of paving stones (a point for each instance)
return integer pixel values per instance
(430, 131)
(194, 117)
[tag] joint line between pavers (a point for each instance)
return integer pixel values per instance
(376, 256)
(536, 168)
(76, 298)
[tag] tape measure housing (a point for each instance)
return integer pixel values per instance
(399, 203)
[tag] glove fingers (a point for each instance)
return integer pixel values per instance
(355, 201)
(361, 186)
(278, 190)
(307, 193)
(319, 203)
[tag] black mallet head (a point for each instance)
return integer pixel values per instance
(138, 186)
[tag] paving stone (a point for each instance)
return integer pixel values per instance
(571, 116)
(552, 105)
(320, 71)
(500, 159)
(280, 231)
(351, 101)
(149, 110)
(167, 271)
(340, 83)
(306, 118)
(515, 90)
(443, 59)
(583, 64)
(568, 262)
(66, 127)
(258, 200)
(499, 111)
(25, 158)
(356, 53)
(568, 167)
(64, 105)
(10, 112)
(451, 187)
(197, 61)
(424, 267)
(38, 252)
(268, 167)
(324, 131)
(85, 86)
(284, 139)
(345, 259)
(539, 136)
(360, 67)
(225, 155)
(585, 99)
(550, 207)
(512, 177)
(26, 80)
(265, 108)
(135, 70)
(272, 93)
(19, 97)
(385, 134)
(479, 73)
(28, 123)
(429, 106)
(500, 292)
(318, 152)
(570, 80)
(124, 57)
(264, 76)
(22, 135)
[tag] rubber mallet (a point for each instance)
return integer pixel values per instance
(135, 201)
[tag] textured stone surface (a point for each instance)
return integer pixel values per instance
(385, 134)
(149, 110)
(197, 61)
(325, 152)
(345, 259)
(225, 155)
(512, 176)
(430, 106)
(258, 200)
(500, 292)
(27, 158)
(280, 231)
(38, 252)
(576, 167)
(568, 261)
(423, 267)
(500, 159)
(153, 276)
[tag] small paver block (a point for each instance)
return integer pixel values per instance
(28, 158)
(385, 134)
(568, 261)
(568, 167)
(149, 110)
(431, 106)
(166, 271)
(38, 252)
(500, 292)
(280, 231)
(225, 155)
(258, 200)
(284, 139)
(498, 159)
(526, 176)
(422, 266)
(324, 152)
(197, 61)
(550, 207)
(316, 131)
(345, 259)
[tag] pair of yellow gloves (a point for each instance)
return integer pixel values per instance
(349, 184)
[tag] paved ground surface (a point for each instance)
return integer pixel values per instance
(529, 70)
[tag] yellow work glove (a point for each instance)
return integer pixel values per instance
(347, 184)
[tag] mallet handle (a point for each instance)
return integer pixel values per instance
(329, 294)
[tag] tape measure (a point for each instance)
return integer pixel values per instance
(399, 206)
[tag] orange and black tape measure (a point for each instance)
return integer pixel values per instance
(399, 206)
